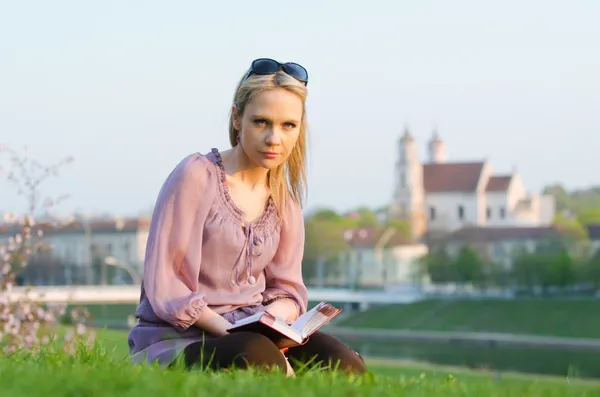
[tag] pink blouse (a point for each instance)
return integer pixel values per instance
(201, 253)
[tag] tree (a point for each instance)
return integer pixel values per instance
(583, 203)
(402, 227)
(438, 265)
(526, 270)
(367, 218)
(591, 270)
(323, 245)
(589, 216)
(468, 266)
(571, 229)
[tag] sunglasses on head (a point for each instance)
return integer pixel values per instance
(265, 66)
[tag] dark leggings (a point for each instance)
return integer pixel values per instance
(249, 349)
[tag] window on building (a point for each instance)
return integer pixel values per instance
(432, 213)
(461, 212)
(502, 213)
(488, 213)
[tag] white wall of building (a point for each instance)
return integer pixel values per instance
(395, 265)
(446, 208)
(497, 209)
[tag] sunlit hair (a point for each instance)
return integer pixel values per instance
(289, 179)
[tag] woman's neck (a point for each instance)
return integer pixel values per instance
(239, 166)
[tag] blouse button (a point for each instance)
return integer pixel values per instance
(251, 280)
(258, 247)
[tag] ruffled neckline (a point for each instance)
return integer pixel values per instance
(269, 216)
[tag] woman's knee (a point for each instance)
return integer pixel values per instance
(258, 350)
(325, 350)
(239, 350)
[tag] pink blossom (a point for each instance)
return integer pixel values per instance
(23, 324)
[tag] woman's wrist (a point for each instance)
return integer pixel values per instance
(283, 307)
(213, 323)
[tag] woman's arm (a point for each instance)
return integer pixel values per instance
(173, 260)
(213, 323)
(285, 294)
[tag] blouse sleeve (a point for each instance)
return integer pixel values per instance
(284, 273)
(173, 251)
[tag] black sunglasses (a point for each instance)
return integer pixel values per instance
(265, 66)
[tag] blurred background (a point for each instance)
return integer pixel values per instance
(452, 210)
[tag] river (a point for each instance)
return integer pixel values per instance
(561, 362)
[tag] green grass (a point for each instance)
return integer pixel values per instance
(104, 371)
(548, 317)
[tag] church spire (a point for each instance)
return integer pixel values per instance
(436, 148)
(407, 137)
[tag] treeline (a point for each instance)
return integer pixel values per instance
(551, 267)
(576, 209)
(325, 243)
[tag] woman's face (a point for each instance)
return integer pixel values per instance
(270, 126)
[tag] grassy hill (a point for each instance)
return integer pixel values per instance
(549, 317)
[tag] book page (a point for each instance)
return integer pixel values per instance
(301, 321)
(322, 316)
(250, 319)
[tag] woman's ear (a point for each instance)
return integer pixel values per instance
(237, 122)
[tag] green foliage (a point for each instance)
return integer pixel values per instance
(402, 227)
(367, 218)
(466, 268)
(550, 267)
(571, 228)
(469, 266)
(584, 203)
(438, 265)
(325, 244)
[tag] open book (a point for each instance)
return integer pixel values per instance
(282, 334)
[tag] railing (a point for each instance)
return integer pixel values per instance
(87, 294)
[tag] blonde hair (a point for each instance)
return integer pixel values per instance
(287, 181)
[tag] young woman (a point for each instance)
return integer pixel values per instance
(227, 239)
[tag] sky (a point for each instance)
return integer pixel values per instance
(129, 88)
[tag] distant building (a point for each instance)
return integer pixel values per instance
(380, 256)
(442, 196)
(594, 236)
(83, 253)
(499, 244)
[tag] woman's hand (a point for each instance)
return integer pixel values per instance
(285, 309)
(213, 323)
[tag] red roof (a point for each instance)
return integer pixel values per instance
(367, 237)
(451, 177)
(96, 226)
(498, 183)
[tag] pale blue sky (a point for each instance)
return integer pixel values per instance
(130, 87)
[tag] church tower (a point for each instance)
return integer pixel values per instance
(409, 194)
(436, 149)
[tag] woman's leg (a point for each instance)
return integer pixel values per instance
(327, 352)
(240, 350)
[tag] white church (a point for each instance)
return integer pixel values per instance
(442, 196)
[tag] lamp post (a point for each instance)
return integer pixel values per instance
(135, 276)
(378, 248)
(88, 251)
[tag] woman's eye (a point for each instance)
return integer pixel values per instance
(290, 125)
(260, 122)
